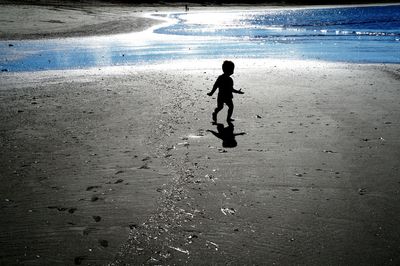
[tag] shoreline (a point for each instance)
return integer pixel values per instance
(181, 65)
(185, 64)
(89, 20)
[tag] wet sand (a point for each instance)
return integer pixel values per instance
(90, 158)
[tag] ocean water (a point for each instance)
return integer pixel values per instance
(369, 34)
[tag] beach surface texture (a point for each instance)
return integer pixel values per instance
(70, 20)
(123, 166)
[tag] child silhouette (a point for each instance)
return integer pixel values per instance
(225, 84)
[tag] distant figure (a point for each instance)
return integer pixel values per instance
(186, 8)
(225, 85)
(226, 135)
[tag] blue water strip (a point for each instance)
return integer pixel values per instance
(351, 34)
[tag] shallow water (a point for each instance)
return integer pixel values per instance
(347, 34)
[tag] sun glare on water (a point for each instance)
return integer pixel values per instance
(212, 18)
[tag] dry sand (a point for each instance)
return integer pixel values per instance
(90, 158)
(314, 181)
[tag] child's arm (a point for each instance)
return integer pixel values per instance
(238, 91)
(214, 88)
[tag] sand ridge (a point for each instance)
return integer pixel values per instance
(71, 21)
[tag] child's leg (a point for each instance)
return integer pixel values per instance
(220, 105)
(230, 110)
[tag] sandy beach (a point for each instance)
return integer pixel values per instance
(71, 20)
(123, 166)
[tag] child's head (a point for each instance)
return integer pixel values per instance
(228, 67)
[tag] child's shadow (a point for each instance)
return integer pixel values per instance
(226, 135)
